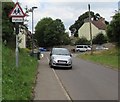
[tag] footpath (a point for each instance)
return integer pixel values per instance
(47, 86)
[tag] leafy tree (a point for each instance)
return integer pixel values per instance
(99, 39)
(50, 32)
(7, 25)
(82, 41)
(65, 39)
(113, 29)
(40, 29)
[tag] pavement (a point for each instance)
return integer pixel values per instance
(48, 86)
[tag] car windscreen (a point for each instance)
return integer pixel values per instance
(79, 46)
(60, 52)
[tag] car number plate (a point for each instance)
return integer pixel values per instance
(63, 62)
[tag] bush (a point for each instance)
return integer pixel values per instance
(99, 39)
(81, 41)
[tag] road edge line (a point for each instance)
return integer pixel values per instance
(61, 85)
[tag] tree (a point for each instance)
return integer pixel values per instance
(50, 32)
(99, 39)
(40, 29)
(7, 25)
(82, 41)
(66, 39)
(113, 29)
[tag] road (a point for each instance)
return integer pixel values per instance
(86, 81)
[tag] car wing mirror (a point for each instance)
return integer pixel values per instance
(70, 55)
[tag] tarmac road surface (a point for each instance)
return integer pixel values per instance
(86, 81)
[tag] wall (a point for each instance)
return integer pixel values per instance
(84, 31)
(22, 37)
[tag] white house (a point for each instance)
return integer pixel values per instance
(96, 27)
(22, 37)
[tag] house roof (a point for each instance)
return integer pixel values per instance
(100, 24)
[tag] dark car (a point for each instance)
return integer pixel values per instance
(42, 49)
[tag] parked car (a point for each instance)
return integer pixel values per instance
(42, 49)
(101, 48)
(60, 57)
(82, 48)
(36, 53)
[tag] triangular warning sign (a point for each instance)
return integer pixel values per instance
(17, 11)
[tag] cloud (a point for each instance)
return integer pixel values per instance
(68, 12)
(79, 1)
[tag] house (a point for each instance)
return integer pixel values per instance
(23, 36)
(97, 27)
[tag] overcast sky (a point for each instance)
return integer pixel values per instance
(68, 11)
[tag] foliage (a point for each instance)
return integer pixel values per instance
(113, 29)
(40, 30)
(66, 39)
(78, 23)
(99, 39)
(82, 41)
(50, 32)
(7, 26)
(17, 83)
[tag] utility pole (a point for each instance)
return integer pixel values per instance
(90, 30)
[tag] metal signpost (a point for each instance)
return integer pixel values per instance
(17, 15)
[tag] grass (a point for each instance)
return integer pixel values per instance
(107, 57)
(17, 83)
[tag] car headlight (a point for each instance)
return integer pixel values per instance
(69, 61)
(53, 60)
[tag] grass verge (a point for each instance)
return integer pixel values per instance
(107, 57)
(17, 83)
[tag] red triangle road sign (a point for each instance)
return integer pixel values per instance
(17, 11)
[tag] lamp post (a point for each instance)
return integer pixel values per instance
(31, 10)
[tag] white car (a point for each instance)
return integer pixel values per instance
(82, 48)
(101, 48)
(60, 57)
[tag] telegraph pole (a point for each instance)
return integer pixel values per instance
(90, 30)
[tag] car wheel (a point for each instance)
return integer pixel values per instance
(50, 65)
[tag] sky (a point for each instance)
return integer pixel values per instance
(68, 11)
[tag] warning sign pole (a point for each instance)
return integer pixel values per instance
(16, 50)
(17, 15)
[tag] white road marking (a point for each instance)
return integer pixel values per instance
(61, 85)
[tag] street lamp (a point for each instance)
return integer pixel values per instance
(31, 10)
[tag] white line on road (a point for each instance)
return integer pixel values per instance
(60, 83)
